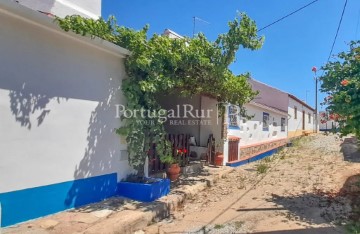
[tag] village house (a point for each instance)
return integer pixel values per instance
(327, 122)
(277, 117)
(57, 96)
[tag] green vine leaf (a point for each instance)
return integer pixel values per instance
(161, 65)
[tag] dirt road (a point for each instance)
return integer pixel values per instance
(299, 190)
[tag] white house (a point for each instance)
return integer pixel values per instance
(301, 117)
(58, 93)
(171, 34)
(266, 130)
(278, 117)
(326, 123)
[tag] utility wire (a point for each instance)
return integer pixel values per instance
(337, 31)
(287, 15)
(357, 25)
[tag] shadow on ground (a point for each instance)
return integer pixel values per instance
(322, 230)
(321, 207)
(314, 208)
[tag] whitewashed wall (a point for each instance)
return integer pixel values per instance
(57, 112)
(251, 131)
(296, 125)
(180, 125)
(62, 8)
(210, 124)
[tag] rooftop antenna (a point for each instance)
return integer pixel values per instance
(194, 21)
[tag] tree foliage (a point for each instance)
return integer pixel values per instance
(159, 64)
(341, 82)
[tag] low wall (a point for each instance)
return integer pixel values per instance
(259, 148)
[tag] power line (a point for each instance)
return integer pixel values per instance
(357, 25)
(287, 15)
(337, 31)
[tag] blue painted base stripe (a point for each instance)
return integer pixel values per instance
(22, 205)
(253, 159)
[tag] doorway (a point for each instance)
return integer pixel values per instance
(303, 120)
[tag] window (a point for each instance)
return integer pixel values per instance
(283, 124)
(309, 116)
(265, 121)
(295, 112)
(233, 116)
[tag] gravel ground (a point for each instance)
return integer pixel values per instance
(297, 189)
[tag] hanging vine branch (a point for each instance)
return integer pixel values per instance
(164, 65)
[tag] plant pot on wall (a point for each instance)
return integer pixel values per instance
(173, 171)
(219, 158)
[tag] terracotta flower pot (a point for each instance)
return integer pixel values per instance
(173, 172)
(219, 158)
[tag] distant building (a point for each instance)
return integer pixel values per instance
(326, 123)
(171, 34)
(300, 115)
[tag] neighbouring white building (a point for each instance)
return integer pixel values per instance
(171, 34)
(58, 92)
(326, 123)
(277, 117)
(265, 131)
(301, 117)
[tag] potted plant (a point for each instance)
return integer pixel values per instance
(139, 186)
(143, 189)
(173, 169)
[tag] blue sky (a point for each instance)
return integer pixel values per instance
(292, 47)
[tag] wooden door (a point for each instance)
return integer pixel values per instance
(303, 120)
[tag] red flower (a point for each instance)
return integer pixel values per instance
(344, 82)
(179, 151)
(185, 151)
(314, 69)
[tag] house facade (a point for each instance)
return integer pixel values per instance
(327, 122)
(300, 115)
(301, 118)
(263, 131)
(58, 92)
(277, 117)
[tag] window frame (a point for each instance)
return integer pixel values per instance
(266, 123)
(231, 116)
(282, 124)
